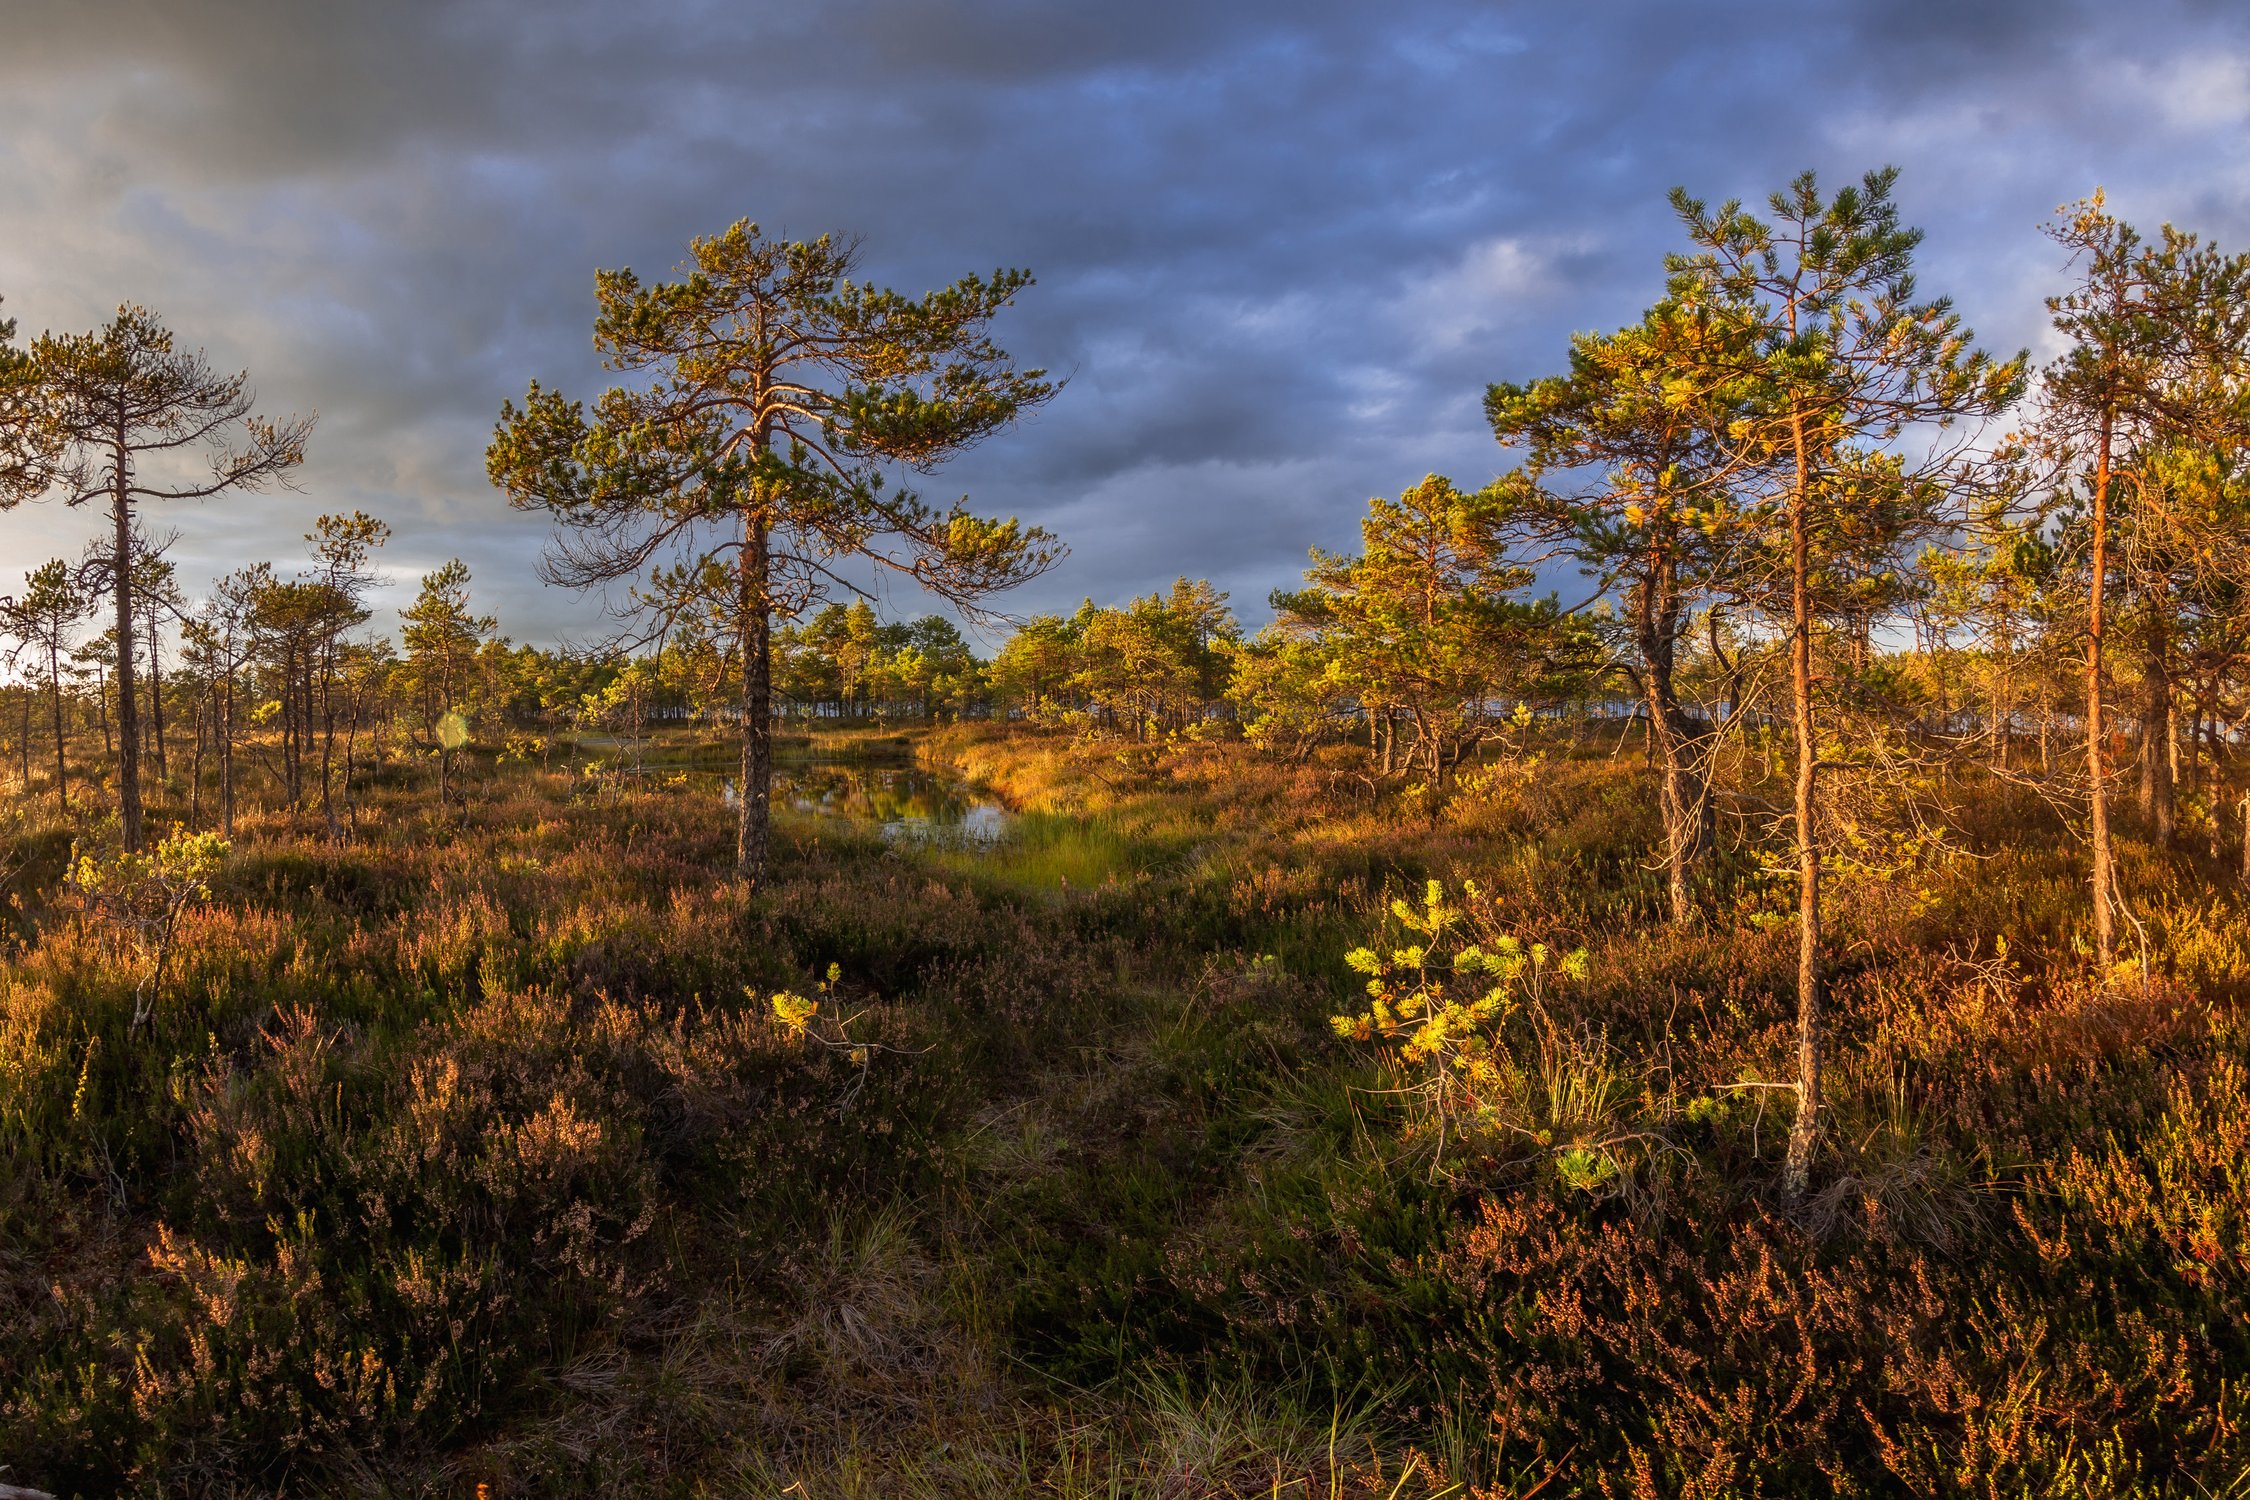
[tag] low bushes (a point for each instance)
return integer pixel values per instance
(476, 1152)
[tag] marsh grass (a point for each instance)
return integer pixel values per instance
(1049, 851)
(462, 1154)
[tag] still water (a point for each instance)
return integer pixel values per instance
(909, 803)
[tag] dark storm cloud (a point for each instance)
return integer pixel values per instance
(1281, 248)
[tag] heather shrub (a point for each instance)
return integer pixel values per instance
(476, 1150)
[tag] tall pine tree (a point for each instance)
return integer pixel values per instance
(752, 455)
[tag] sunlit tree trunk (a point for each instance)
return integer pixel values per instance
(226, 757)
(1797, 1168)
(2097, 750)
(128, 710)
(54, 696)
(2159, 788)
(1673, 740)
(2003, 649)
(351, 744)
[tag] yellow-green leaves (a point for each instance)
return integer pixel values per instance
(1443, 999)
(129, 883)
(140, 895)
(793, 1010)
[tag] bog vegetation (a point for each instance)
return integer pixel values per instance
(1767, 1021)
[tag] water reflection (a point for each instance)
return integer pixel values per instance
(909, 803)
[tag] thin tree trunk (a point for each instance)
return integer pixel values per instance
(2001, 710)
(288, 701)
(2097, 753)
(328, 746)
(226, 758)
(299, 690)
(2159, 786)
(128, 710)
(351, 744)
(195, 763)
(2046, 725)
(156, 697)
(1797, 1167)
(306, 721)
(1671, 737)
(62, 769)
(754, 812)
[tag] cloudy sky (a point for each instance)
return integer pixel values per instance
(1281, 248)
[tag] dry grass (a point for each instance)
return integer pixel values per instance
(467, 1154)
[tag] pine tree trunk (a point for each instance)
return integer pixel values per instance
(195, 765)
(2097, 753)
(351, 745)
(62, 769)
(1797, 1167)
(306, 725)
(2001, 709)
(128, 711)
(1672, 737)
(156, 698)
(2159, 787)
(226, 758)
(328, 746)
(288, 702)
(754, 633)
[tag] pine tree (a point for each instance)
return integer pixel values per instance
(221, 641)
(1653, 411)
(342, 547)
(106, 404)
(1425, 627)
(756, 453)
(1847, 362)
(1033, 666)
(26, 446)
(2150, 379)
(41, 620)
(442, 640)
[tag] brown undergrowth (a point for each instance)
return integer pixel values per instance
(472, 1153)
